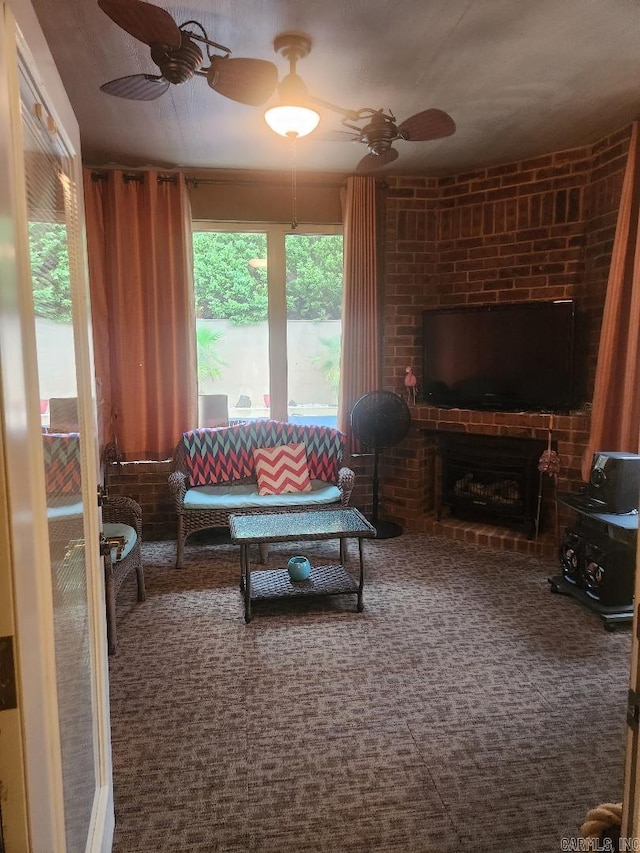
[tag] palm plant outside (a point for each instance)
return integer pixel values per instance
(210, 363)
(329, 362)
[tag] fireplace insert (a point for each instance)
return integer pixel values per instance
(492, 479)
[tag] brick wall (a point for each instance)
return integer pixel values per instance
(147, 483)
(362, 466)
(538, 229)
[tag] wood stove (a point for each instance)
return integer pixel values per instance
(492, 479)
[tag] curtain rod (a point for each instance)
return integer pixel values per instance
(194, 182)
(134, 176)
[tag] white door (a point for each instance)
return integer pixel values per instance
(55, 605)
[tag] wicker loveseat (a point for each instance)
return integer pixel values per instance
(214, 474)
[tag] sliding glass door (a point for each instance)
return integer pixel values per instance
(268, 327)
(314, 311)
(230, 274)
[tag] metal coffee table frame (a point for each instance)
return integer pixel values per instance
(263, 528)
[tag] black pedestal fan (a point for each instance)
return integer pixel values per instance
(380, 419)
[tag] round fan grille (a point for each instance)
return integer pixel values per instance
(380, 419)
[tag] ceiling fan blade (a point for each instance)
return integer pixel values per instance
(430, 124)
(143, 21)
(249, 81)
(370, 162)
(137, 87)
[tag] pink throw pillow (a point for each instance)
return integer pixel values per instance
(282, 469)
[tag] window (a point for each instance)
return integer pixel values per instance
(268, 319)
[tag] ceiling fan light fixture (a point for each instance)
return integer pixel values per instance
(292, 115)
(291, 120)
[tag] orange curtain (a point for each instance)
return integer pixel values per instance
(359, 367)
(139, 246)
(615, 418)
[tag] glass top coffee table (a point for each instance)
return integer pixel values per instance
(266, 527)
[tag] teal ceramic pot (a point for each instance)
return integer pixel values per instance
(299, 568)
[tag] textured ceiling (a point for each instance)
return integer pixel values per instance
(520, 78)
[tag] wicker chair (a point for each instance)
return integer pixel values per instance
(117, 513)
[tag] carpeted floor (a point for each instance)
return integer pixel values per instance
(468, 708)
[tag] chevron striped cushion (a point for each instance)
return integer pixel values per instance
(225, 454)
(62, 463)
(219, 455)
(282, 469)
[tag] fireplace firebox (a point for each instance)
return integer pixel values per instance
(492, 479)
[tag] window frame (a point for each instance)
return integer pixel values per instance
(276, 233)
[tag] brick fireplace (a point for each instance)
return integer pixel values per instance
(411, 474)
(536, 229)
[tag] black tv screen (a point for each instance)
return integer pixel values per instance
(512, 357)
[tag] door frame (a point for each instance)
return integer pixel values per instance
(631, 794)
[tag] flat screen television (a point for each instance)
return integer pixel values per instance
(511, 357)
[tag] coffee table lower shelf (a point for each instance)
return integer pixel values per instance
(269, 584)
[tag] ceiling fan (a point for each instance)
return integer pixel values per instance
(175, 51)
(381, 130)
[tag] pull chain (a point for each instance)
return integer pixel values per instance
(294, 185)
